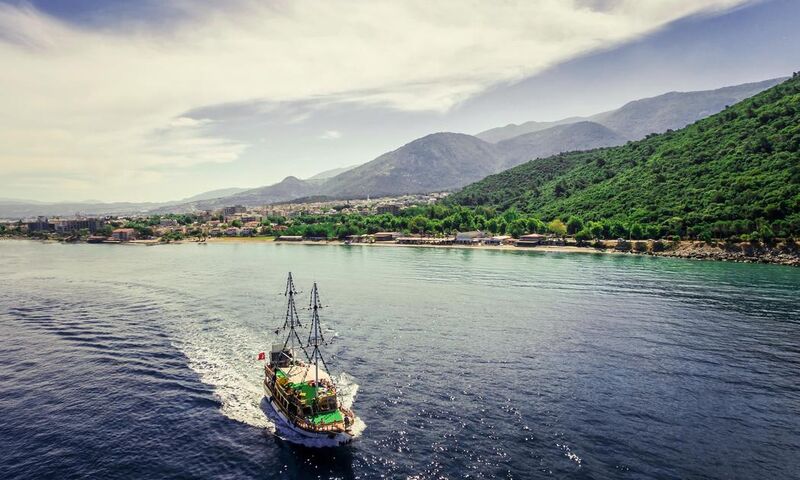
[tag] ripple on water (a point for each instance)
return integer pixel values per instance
(503, 365)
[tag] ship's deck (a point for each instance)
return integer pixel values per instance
(303, 373)
(325, 418)
(298, 377)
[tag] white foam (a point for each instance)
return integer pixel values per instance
(225, 360)
(239, 392)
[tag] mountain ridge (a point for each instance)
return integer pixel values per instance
(733, 173)
(715, 101)
(441, 161)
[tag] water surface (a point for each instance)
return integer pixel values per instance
(139, 362)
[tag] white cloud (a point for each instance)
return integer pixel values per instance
(188, 122)
(330, 135)
(112, 102)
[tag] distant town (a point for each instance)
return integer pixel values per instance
(229, 221)
(413, 220)
(274, 221)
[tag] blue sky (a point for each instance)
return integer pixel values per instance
(160, 100)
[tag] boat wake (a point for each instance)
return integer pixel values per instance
(222, 350)
(348, 389)
(237, 382)
(238, 391)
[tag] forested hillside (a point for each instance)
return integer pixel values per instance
(734, 173)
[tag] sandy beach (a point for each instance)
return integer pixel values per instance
(693, 250)
(337, 243)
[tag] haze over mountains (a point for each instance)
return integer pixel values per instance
(638, 118)
(446, 161)
(733, 173)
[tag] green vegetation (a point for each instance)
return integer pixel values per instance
(143, 230)
(734, 174)
(417, 220)
(172, 237)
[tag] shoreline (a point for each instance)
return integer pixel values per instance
(687, 250)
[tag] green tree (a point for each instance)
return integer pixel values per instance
(517, 228)
(418, 224)
(583, 236)
(596, 229)
(636, 232)
(765, 233)
(574, 225)
(536, 225)
(557, 226)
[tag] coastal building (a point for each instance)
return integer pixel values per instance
(391, 208)
(204, 216)
(498, 240)
(531, 240)
(419, 240)
(41, 225)
(124, 234)
(289, 238)
(232, 231)
(360, 238)
(168, 222)
(470, 238)
(229, 211)
(70, 225)
(386, 236)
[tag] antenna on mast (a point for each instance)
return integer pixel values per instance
(292, 321)
(315, 337)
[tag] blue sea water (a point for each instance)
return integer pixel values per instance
(140, 362)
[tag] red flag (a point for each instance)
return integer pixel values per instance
(262, 356)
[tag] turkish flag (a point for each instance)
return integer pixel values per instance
(262, 356)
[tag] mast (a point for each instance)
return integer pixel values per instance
(315, 338)
(292, 321)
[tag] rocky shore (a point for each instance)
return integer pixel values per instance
(782, 253)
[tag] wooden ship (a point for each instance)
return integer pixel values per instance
(297, 383)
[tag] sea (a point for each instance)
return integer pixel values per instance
(140, 362)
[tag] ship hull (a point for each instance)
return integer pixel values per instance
(328, 438)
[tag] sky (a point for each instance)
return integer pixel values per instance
(156, 100)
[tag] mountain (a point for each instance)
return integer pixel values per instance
(331, 173)
(675, 110)
(436, 162)
(447, 161)
(14, 209)
(498, 134)
(287, 189)
(561, 138)
(222, 192)
(658, 114)
(733, 173)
